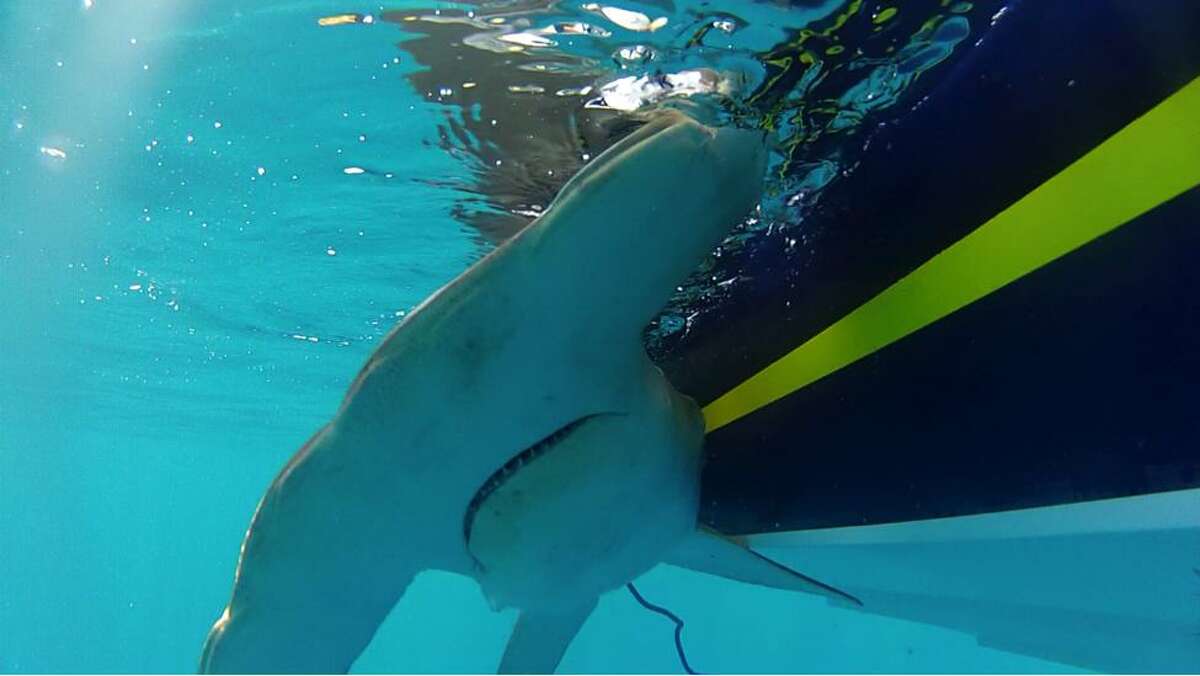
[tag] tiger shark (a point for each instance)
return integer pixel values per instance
(512, 429)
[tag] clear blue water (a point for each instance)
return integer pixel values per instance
(189, 279)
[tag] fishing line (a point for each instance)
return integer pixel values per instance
(671, 616)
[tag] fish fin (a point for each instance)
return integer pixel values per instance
(708, 551)
(540, 639)
(274, 638)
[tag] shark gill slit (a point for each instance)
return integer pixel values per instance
(500, 476)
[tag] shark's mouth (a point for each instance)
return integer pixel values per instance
(514, 465)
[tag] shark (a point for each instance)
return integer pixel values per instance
(513, 429)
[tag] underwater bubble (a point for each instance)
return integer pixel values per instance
(629, 19)
(574, 91)
(635, 53)
(580, 28)
(528, 40)
(726, 24)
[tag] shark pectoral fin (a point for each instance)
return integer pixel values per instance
(708, 551)
(540, 639)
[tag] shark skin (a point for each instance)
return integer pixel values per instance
(511, 429)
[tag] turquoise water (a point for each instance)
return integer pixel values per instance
(191, 272)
